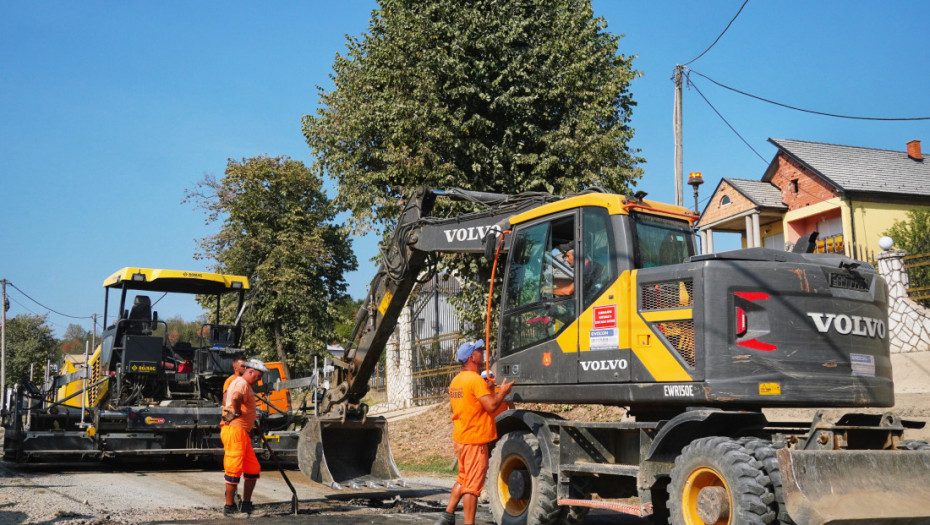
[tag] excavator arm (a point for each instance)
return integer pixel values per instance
(417, 238)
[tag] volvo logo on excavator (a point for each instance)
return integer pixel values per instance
(604, 364)
(848, 324)
(473, 233)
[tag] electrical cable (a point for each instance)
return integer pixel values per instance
(720, 35)
(724, 119)
(46, 307)
(802, 109)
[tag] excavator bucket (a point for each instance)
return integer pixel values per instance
(337, 453)
(856, 486)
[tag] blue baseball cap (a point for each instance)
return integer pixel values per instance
(467, 349)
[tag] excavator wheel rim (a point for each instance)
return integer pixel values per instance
(699, 479)
(512, 506)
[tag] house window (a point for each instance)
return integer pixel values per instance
(725, 200)
(794, 186)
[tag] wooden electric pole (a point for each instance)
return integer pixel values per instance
(676, 117)
(3, 307)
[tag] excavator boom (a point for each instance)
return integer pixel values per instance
(325, 454)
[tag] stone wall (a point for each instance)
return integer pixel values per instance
(908, 322)
(399, 365)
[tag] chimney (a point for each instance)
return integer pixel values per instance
(913, 150)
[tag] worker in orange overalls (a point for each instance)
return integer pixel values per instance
(472, 405)
(239, 459)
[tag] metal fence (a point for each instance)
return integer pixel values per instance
(437, 333)
(434, 367)
(917, 267)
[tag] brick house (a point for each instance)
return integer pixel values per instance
(850, 195)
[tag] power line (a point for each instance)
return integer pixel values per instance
(46, 307)
(724, 119)
(720, 35)
(802, 109)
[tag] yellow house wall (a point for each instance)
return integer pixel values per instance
(871, 220)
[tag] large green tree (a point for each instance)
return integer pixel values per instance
(485, 95)
(913, 236)
(29, 340)
(277, 228)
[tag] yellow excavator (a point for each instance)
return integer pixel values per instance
(694, 345)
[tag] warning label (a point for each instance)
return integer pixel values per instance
(605, 316)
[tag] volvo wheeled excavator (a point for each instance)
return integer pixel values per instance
(694, 345)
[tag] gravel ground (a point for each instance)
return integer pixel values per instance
(95, 494)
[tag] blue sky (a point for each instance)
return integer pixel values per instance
(110, 110)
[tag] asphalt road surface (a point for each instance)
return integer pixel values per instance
(102, 494)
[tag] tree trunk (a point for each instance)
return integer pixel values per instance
(279, 346)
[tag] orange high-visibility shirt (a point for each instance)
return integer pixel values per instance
(473, 425)
(241, 387)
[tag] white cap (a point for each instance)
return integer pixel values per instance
(484, 374)
(256, 364)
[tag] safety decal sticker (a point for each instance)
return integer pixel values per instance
(606, 339)
(769, 389)
(605, 316)
(863, 365)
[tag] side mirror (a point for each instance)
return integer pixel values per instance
(490, 245)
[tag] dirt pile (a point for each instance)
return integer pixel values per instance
(424, 441)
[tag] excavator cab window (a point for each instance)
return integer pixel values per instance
(537, 268)
(661, 241)
(598, 268)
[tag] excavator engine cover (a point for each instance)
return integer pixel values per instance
(840, 487)
(332, 451)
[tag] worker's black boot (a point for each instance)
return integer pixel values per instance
(447, 518)
(232, 511)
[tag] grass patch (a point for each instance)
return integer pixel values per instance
(432, 465)
(374, 397)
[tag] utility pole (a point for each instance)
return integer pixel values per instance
(3, 307)
(676, 117)
(93, 340)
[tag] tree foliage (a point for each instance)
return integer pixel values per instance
(913, 236)
(485, 95)
(76, 339)
(29, 340)
(277, 229)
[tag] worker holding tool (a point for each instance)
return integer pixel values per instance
(473, 402)
(239, 415)
(488, 376)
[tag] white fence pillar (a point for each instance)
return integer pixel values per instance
(399, 364)
(908, 322)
